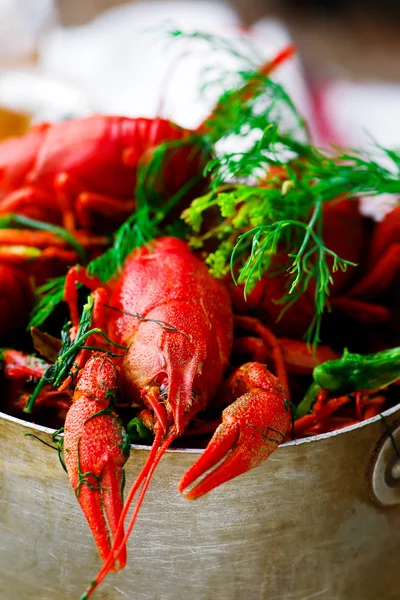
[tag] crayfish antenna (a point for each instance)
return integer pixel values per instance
(283, 55)
(145, 476)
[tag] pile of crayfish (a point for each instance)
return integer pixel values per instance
(161, 349)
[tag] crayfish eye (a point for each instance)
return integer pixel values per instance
(163, 391)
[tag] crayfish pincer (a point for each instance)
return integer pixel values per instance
(252, 427)
(176, 322)
(96, 448)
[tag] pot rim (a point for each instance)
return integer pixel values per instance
(306, 440)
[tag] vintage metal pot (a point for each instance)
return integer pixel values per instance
(306, 524)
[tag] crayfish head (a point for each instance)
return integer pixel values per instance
(184, 397)
(172, 394)
(98, 380)
(169, 371)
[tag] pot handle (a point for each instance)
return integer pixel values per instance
(384, 469)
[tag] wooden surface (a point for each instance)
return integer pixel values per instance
(301, 526)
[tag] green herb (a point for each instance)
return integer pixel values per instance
(141, 227)
(55, 374)
(265, 218)
(56, 438)
(308, 401)
(11, 219)
(356, 372)
(136, 231)
(51, 295)
(269, 220)
(279, 223)
(138, 432)
(83, 478)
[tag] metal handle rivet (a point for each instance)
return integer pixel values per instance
(396, 470)
(385, 471)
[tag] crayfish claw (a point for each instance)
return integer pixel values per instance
(101, 508)
(252, 427)
(96, 448)
(222, 442)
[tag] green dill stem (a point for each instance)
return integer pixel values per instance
(77, 345)
(82, 338)
(309, 232)
(12, 218)
(36, 437)
(46, 378)
(309, 399)
(173, 201)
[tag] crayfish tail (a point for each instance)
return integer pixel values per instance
(95, 470)
(96, 448)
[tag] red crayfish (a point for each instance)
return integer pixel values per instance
(176, 321)
(80, 173)
(68, 172)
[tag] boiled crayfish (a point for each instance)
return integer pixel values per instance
(81, 174)
(71, 172)
(176, 322)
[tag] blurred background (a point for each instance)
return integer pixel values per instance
(335, 37)
(63, 58)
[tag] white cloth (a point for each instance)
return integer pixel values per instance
(359, 115)
(21, 24)
(127, 67)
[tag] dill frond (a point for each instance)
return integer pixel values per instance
(140, 227)
(271, 191)
(50, 296)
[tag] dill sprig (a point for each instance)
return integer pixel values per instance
(55, 374)
(138, 229)
(50, 295)
(271, 188)
(269, 191)
(282, 213)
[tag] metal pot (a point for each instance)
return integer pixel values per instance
(320, 519)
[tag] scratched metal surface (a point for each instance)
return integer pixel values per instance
(300, 527)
